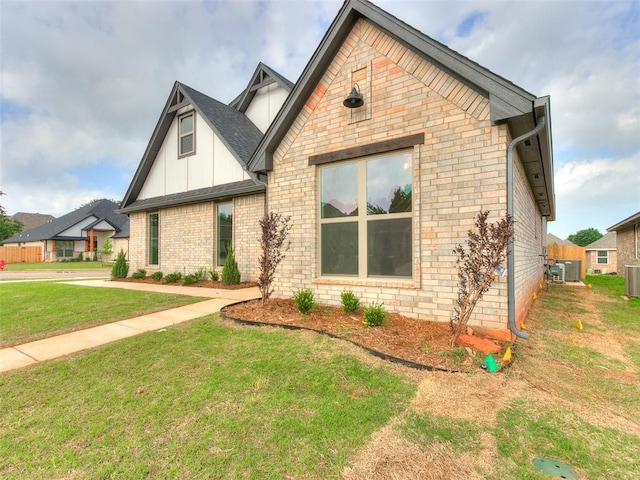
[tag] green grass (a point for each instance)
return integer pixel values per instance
(34, 310)
(19, 267)
(527, 429)
(200, 400)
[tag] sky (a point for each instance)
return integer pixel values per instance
(82, 84)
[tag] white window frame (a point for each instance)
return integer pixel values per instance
(599, 257)
(362, 219)
(191, 133)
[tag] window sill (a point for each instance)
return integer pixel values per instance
(368, 282)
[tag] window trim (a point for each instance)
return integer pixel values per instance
(599, 257)
(181, 154)
(157, 215)
(219, 261)
(362, 220)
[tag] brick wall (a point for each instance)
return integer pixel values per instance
(457, 172)
(626, 248)
(247, 212)
(591, 258)
(188, 237)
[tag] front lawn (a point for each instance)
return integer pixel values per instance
(199, 400)
(35, 310)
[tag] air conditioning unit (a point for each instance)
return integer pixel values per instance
(559, 278)
(632, 280)
(572, 269)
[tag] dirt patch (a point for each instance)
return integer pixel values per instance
(414, 341)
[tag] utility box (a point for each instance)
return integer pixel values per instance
(632, 280)
(572, 269)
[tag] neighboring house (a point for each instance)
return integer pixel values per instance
(82, 231)
(32, 220)
(601, 255)
(627, 242)
(553, 240)
(192, 193)
(379, 195)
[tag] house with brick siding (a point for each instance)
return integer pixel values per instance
(192, 193)
(601, 255)
(627, 242)
(381, 190)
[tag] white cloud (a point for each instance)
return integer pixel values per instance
(82, 83)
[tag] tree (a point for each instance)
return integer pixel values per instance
(8, 226)
(106, 250)
(486, 250)
(275, 229)
(230, 272)
(585, 237)
(120, 268)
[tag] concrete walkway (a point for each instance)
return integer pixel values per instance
(53, 347)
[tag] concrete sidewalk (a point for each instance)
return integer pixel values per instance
(46, 349)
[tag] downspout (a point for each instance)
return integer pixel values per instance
(511, 267)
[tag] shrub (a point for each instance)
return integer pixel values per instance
(200, 275)
(374, 314)
(173, 277)
(188, 279)
(275, 229)
(214, 275)
(304, 300)
(157, 276)
(230, 272)
(139, 274)
(350, 302)
(120, 268)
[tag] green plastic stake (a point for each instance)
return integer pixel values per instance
(490, 363)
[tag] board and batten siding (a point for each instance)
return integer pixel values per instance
(265, 105)
(212, 164)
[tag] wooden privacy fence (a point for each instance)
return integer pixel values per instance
(21, 254)
(565, 252)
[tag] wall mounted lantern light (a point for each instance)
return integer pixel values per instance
(354, 99)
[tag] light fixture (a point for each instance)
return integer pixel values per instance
(354, 99)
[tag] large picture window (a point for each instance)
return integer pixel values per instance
(225, 231)
(64, 248)
(365, 216)
(186, 134)
(154, 239)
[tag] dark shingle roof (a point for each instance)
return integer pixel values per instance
(219, 192)
(235, 129)
(101, 209)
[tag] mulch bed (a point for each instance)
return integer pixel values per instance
(415, 343)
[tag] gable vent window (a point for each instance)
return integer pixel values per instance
(186, 134)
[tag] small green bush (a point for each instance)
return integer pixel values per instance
(230, 272)
(157, 276)
(173, 277)
(200, 275)
(120, 267)
(188, 279)
(214, 275)
(374, 314)
(350, 303)
(304, 300)
(139, 274)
